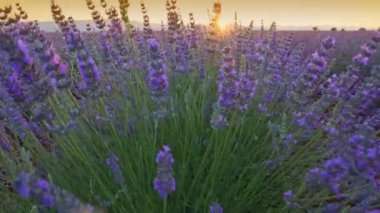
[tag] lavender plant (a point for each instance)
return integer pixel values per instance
(266, 124)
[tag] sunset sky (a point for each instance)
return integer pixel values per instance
(365, 13)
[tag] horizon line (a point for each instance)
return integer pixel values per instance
(322, 26)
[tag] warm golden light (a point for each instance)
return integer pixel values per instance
(222, 24)
(293, 13)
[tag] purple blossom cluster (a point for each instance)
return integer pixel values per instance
(120, 47)
(247, 90)
(308, 83)
(11, 113)
(216, 208)
(89, 71)
(157, 78)
(178, 46)
(366, 51)
(228, 90)
(228, 86)
(24, 48)
(236, 88)
(164, 183)
(31, 72)
(351, 166)
(112, 162)
(46, 194)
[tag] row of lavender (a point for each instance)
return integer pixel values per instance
(342, 106)
(259, 71)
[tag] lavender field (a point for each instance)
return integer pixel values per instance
(189, 118)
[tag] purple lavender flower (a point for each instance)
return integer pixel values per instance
(25, 51)
(43, 184)
(315, 178)
(329, 42)
(354, 147)
(288, 196)
(360, 59)
(366, 51)
(247, 90)
(113, 163)
(22, 185)
(12, 113)
(51, 62)
(228, 89)
(182, 54)
(164, 183)
(91, 75)
(115, 35)
(219, 120)
(317, 65)
(158, 80)
(46, 194)
(216, 208)
(47, 200)
(39, 189)
(89, 71)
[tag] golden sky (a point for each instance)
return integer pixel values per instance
(365, 13)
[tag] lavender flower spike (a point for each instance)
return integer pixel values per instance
(113, 163)
(158, 80)
(164, 183)
(216, 208)
(329, 42)
(47, 195)
(228, 89)
(288, 196)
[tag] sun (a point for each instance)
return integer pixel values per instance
(222, 25)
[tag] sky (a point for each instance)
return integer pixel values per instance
(339, 13)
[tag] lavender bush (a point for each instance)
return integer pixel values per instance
(191, 118)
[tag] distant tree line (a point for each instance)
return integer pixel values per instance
(334, 29)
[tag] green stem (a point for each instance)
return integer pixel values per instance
(165, 205)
